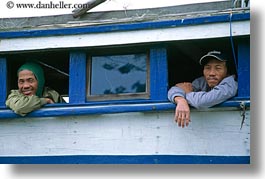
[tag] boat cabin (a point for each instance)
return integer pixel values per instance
(114, 69)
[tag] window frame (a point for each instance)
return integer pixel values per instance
(157, 75)
(119, 96)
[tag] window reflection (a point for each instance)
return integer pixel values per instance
(118, 74)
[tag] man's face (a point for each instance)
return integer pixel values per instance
(214, 72)
(27, 83)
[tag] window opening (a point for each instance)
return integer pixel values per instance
(183, 57)
(54, 63)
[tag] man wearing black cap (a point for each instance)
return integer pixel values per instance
(214, 87)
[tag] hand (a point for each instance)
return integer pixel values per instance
(182, 112)
(186, 86)
(49, 101)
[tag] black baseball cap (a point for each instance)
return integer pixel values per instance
(213, 54)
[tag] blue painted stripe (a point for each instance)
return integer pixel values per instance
(158, 74)
(126, 27)
(244, 69)
(126, 159)
(77, 81)
(3, 79)
(84, 109)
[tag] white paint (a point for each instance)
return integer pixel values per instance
(126, 37)
(210, 133)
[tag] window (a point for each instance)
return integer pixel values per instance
(54, 63)
(113, 77)
(183, 57)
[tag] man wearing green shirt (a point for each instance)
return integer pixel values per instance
(31, 93)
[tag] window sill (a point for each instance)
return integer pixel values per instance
(85, 109)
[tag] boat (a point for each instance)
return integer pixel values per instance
(114, 69)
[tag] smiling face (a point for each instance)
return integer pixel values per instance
(214, 72)
(27, 83)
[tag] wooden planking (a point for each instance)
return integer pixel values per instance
(125, 27)
(210, 133)
(86, 7)
(104, 17)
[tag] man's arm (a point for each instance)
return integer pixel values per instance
(182, 112)
(177, 95)
(220, 93)
(174, 92)
(52, 94)
(22, 104)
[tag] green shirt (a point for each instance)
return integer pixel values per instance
(22, 104)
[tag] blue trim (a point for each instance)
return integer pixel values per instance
(232, 42)
(84, 109)
(158, 73)
(244, 68)
(126, 159)
(77, 83)
(3, 79)
(126, 27)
